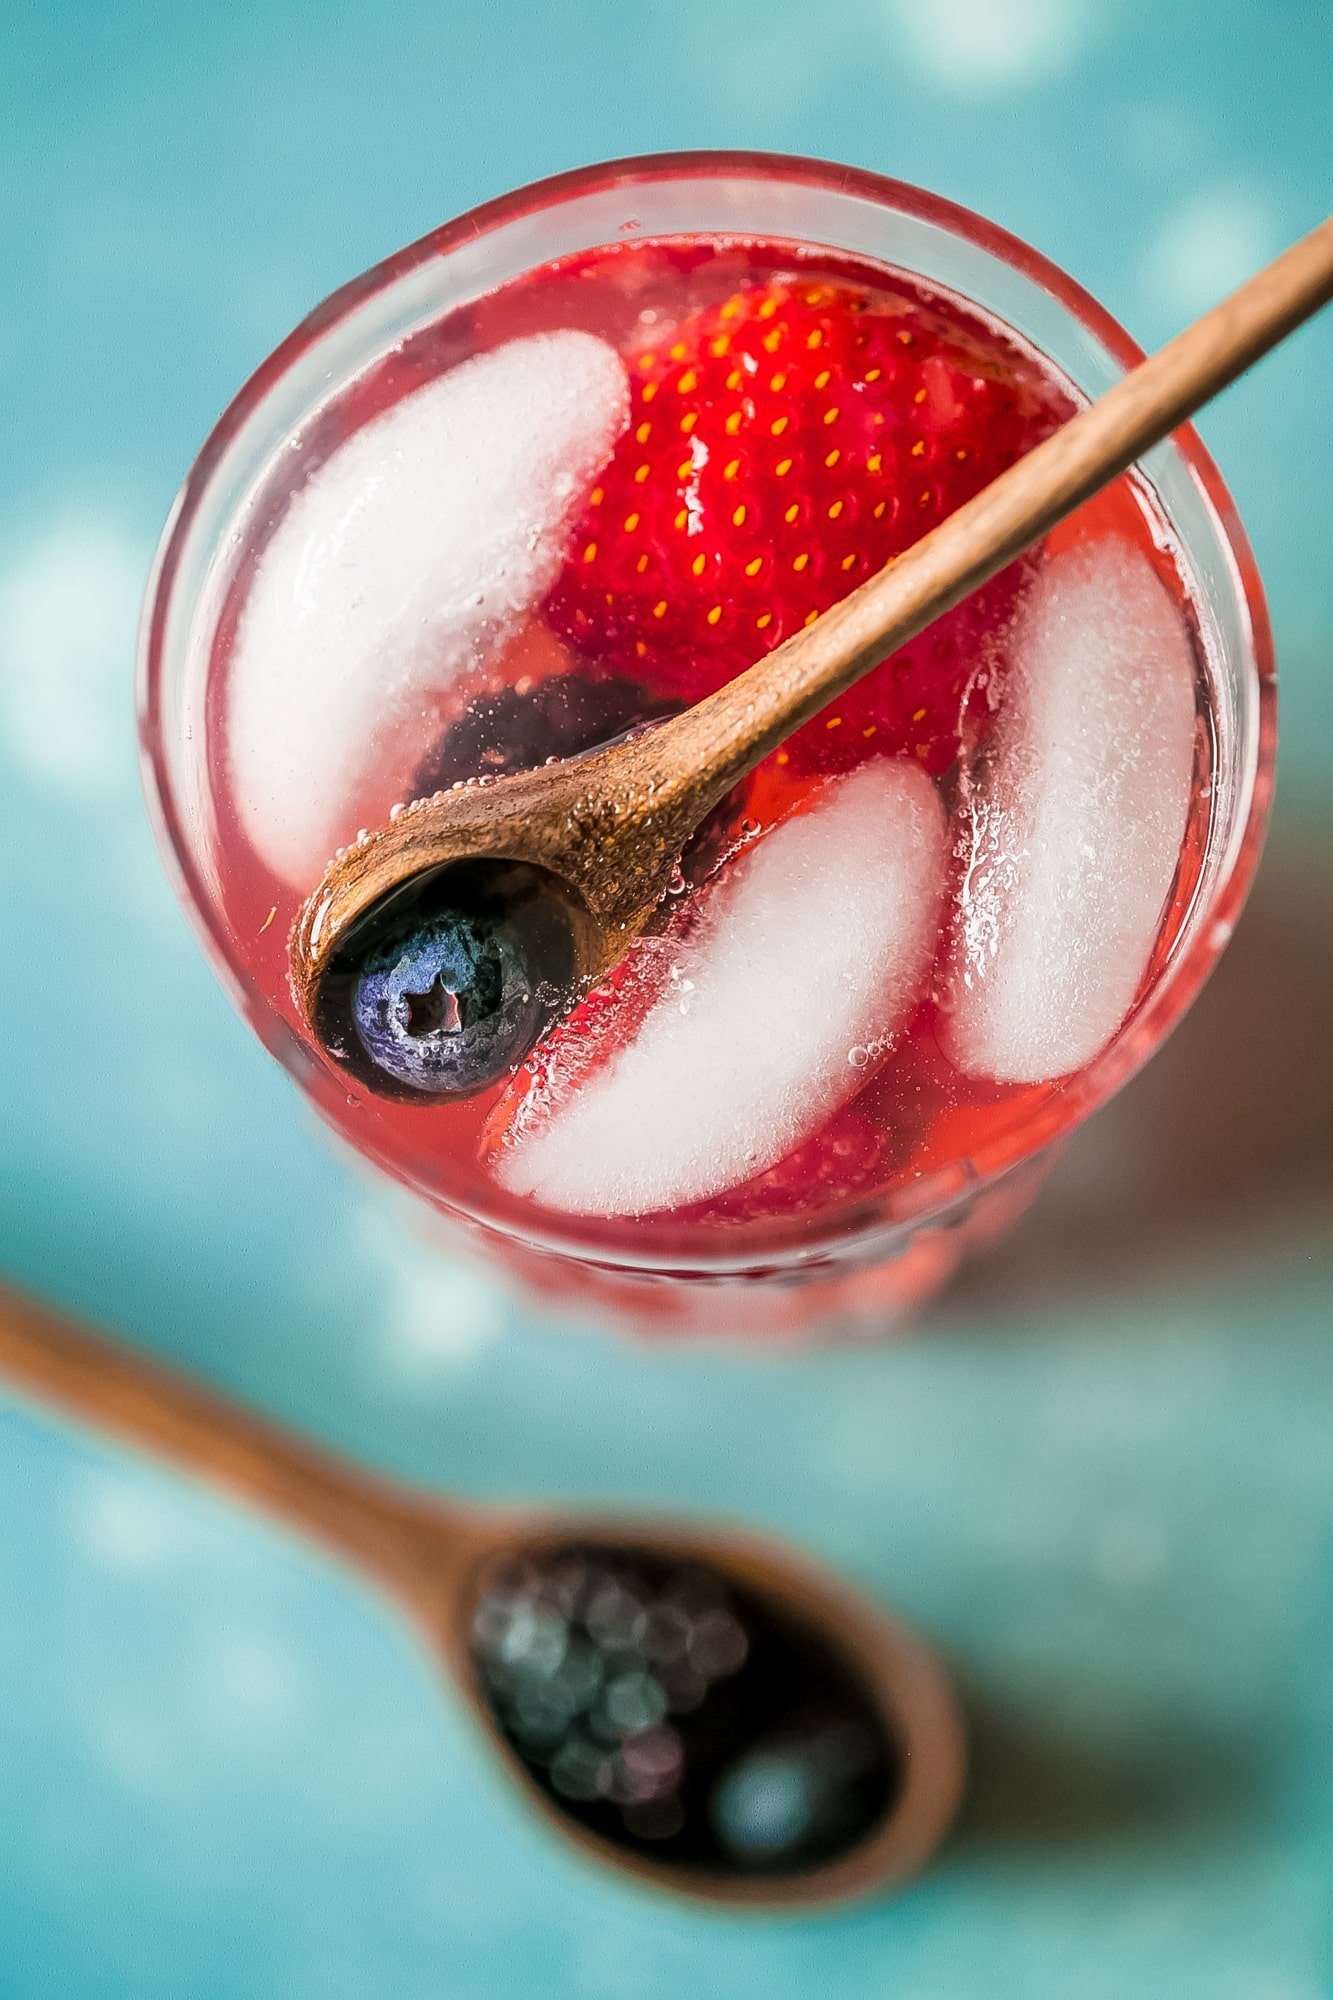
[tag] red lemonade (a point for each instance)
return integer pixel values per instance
(577, 502)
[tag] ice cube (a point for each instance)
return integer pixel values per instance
(403, 562)
(1073, 832)
(806, 955)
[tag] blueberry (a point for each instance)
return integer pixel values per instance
(444, 1004)
(517, 728)
(671, 1709)
(443, 990)
(564, 715)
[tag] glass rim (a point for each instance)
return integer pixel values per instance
(777, 1244)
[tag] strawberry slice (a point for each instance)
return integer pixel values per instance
(848, 1156)
(781, 447)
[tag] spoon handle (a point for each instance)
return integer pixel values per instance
(721, 738)
(141, 1403)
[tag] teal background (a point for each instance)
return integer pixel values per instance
(1098, 1476)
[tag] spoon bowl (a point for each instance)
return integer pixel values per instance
(826, 1765)
(698, 1708)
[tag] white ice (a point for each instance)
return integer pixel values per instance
(399, 565)
(1074, 833)
(806, 957)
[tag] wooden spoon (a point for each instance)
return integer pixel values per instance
(824, 1663)
(609, 827)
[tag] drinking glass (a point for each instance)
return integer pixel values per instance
(856, 1267)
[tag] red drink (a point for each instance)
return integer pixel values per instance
(914, 947)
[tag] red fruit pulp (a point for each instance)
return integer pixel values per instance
(961, 388)
(782, 446)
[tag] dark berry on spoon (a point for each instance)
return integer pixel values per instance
(439, 1001)
(444, 988)
(668, 1709)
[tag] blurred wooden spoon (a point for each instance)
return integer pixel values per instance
(827, 1751)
